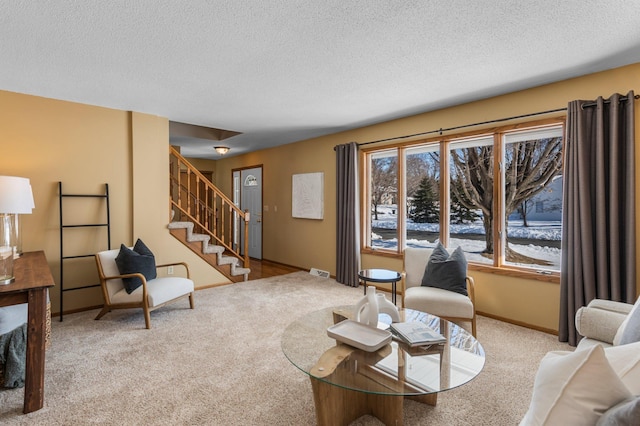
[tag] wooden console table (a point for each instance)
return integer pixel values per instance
(33, 278)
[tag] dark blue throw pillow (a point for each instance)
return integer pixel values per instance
(139, 260)
(446, 271)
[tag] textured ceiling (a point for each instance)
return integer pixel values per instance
(279, 71)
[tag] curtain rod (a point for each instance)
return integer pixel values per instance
(440, 130)
(499, 120)
(607, 101)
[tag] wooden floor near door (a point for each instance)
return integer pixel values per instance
(266, 269)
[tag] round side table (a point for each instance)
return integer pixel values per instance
(384, 276)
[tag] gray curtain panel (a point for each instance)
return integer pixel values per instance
(598, 235)
(347, 232)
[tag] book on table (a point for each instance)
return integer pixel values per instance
(416, 333)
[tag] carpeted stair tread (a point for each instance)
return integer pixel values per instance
(213, 249)
(198, 237)
(227, 260)
(180, 225)
(208, 248)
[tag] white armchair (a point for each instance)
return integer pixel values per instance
(152, 294)
(449, 305)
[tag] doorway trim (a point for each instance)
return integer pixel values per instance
(237, 197)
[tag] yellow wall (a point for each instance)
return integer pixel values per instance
(85, 147)
(204, 166)
(311, 243)
(304, 243)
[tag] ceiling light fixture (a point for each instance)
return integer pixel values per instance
(222, 150)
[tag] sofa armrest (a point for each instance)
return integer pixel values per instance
(610, 305)
(597, 323)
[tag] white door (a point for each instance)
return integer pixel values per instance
(251, 199)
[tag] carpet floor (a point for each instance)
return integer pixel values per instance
(221, 364)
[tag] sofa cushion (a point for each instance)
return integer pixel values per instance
(446, 271)
(587, 342)
(625, 361)
(138, 260)
(623, 326)
(625, 413)
(574, 388)
(439, 302)
(161, 290)
(631, 331)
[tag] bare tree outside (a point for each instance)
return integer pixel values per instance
(473, 168)
(417, 169)
(384, 181)
(529, 167)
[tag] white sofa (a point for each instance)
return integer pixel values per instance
(598, 383)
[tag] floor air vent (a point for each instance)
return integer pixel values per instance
(319, 273)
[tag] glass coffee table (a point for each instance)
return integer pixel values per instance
(348, 383)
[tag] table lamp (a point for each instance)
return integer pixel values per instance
(16, 198)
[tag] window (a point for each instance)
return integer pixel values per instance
(471, 197)
(422, 177)
(533, 177)
(497, 195)
(383, 187)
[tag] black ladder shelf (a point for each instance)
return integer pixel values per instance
(64, 226)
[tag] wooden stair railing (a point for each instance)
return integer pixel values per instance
(195, 199)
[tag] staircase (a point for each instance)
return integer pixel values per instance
(211, 253)
(207, 221)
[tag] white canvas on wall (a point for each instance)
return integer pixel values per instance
(308, 196)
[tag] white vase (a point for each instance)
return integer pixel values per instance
(366, 310)
(387, 307)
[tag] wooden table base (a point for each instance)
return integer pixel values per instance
(336, 406)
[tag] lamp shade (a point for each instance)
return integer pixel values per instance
(16, 196)
(222, 150)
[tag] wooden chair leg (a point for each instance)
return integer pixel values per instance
(147, 318)
(191, 301)
(473, 326)
(103, 312)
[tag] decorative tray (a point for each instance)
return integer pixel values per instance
(360, 336)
